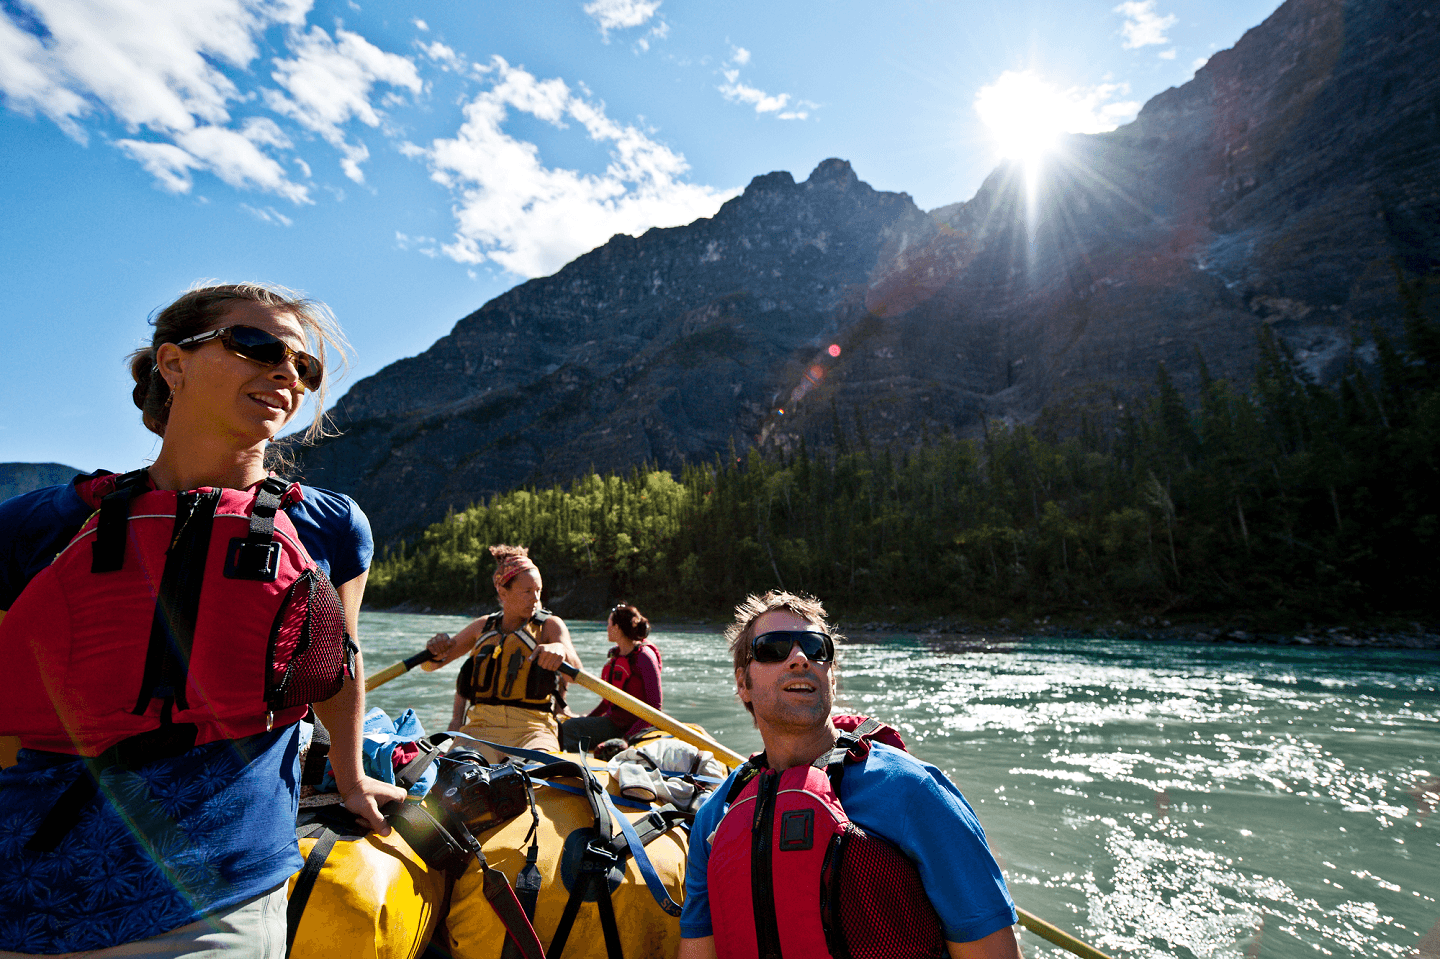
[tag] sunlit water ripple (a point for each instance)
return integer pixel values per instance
(1158, 800)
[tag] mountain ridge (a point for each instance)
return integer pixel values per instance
(1281, 187)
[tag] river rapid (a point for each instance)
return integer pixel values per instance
(1158, 800)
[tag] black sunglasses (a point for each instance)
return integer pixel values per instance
(260, 347)
(775, 646)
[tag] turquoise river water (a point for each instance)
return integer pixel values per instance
(1157, 800)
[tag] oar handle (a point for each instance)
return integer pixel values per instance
(650, 714)
(398, 669)
(1058, 936)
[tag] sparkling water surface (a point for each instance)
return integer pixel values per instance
(1158, 800)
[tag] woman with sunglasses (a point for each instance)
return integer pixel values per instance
(176, 834)
(633, 665)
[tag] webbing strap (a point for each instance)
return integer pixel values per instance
(410, 773)
(846, 742)
(527, 892)
(502, 899)
(305, 884)
(316, 754)
(107, 552)
(595, 867)
(267, 503)
(172, 629)
(256, 556)
(762, 877)
(642, 861)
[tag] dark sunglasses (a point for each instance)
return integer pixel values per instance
(260, 347)
(775, 646)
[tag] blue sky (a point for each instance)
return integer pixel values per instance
(407, 162)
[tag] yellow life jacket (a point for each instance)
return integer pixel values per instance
(501, 672)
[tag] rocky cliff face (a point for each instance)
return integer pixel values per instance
(1281, 186)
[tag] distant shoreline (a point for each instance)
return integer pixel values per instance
(1357, 636)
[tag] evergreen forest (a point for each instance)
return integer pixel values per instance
(1284, 501)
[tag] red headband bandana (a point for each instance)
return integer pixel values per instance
(510, 567)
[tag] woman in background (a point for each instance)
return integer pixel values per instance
(166, 824)
(508, 691)
(633, 665)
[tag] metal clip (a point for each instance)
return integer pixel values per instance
(269, 719)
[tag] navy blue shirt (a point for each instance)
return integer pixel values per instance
(179, 838)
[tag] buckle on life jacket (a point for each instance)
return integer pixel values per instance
(797, 830)
(246, 559)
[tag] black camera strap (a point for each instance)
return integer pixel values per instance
(528, 880)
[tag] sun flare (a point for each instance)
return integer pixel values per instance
(1025, 114)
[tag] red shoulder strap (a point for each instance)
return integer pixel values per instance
(886, 734)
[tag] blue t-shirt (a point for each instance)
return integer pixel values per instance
(936, 828)
(181, 837)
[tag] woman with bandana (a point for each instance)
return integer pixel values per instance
(509, 692)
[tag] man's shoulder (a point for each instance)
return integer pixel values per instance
(892, 772)
(899, 763)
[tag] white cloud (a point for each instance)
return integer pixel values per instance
(531, 219)
(1143, 27)
(329, 82)
(1199, 62)
(1168, 54)
(445, 56)
(420, 24)
(737, 92)
(620, 14)
(267, 215)
(162, 70)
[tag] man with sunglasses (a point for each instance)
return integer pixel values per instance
(784, 657)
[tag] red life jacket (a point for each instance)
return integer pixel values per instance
(791, 876)
(150, 634)
(619, 671)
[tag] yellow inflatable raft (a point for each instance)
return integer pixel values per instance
(373, 898)
(474, 931)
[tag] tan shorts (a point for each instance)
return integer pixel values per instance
(255, 929)
(510, 726)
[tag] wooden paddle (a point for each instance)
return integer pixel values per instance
(398, 669)
(650, 714)
(685, 733)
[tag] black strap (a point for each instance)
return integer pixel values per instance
(172, 629)
(501, 897)
(256, 556)
(743, 775)
(130, 753)
(107, 552)
(528, 880)
(305, 884)
(316, 754)
(762, 876)
(410, 773)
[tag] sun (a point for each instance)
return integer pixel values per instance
(1025, 114)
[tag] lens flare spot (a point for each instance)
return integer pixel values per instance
(781, 411)
(815, 373)
(834, 349)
